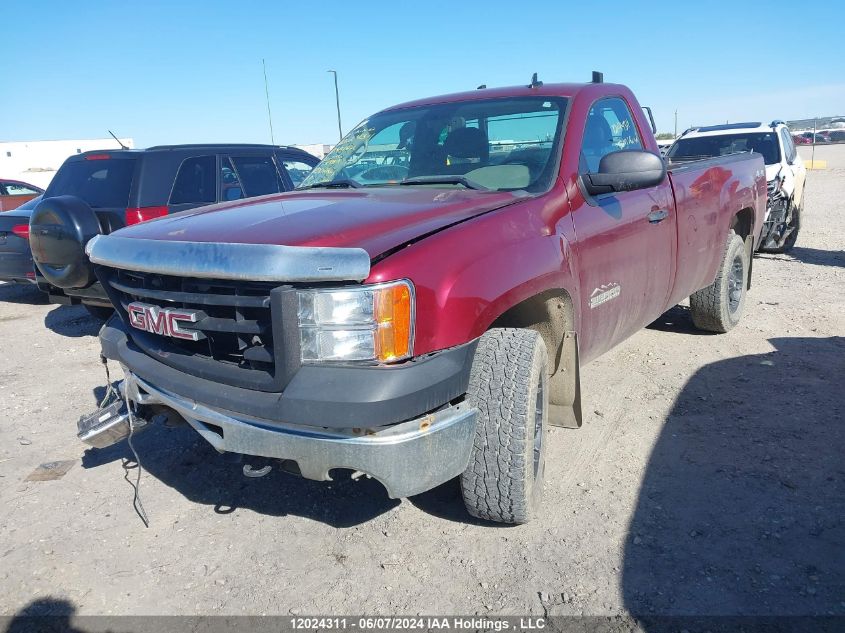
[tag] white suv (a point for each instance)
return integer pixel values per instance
(785, 171)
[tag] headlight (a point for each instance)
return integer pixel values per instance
(374, 323)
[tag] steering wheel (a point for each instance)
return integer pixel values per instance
(385, 172)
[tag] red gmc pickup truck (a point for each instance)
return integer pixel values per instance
(419, 307)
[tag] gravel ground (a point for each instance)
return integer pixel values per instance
(707, 479)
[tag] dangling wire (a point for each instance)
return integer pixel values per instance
(109, 388)
(110, 392)
(136, 501)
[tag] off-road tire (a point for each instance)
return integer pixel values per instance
(101, 313)
(717, 308)
(504, 480)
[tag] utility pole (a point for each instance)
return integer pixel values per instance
(813, 151)
(337, 101)
(267, 95)
(676, 123)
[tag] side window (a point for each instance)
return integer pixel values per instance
(297, 170)
(609, 128)
(16, 189)
(788, 146)
(230, 184)
(257, 175)
(196, 182)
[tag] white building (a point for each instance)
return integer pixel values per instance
(36, 162)
(316, 149)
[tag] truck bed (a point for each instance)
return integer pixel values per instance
(702, 189)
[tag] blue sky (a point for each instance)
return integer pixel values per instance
(174, 72)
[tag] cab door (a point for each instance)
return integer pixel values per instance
(625, 241)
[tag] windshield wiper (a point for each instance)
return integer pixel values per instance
(444, 179)
(328, 184)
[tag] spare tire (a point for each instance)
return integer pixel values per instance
(59, 229)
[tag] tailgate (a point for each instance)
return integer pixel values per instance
(708, 194)
(9, 242)
(10, 219)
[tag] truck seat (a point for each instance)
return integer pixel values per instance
(598, 142)
(466, 148)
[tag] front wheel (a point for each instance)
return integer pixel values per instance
(718, 307)
(509, 385)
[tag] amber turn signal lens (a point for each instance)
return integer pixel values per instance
(357, 323)
(394, 322)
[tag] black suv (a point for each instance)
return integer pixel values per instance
(102, 191)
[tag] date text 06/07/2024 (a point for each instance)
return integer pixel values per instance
(421, 623)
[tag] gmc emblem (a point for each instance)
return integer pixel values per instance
(164, 321)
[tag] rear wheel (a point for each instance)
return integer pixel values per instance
(718, 307)
(509, 385)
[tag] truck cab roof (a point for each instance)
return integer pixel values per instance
(545, 89)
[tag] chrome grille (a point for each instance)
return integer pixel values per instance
(238, 346)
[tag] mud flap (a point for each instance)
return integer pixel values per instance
(565, 397)
(749, 248)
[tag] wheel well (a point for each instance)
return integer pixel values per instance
(549, 313)
(743, 223)
(552, 315)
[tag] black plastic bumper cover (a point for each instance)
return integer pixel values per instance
(16, 267)
(319, 396)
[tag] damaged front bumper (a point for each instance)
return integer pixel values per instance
(778, 224)
(407, 458)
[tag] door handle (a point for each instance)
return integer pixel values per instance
(658, 216)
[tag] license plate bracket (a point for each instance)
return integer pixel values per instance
(107, 426)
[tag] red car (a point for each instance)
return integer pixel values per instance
(820, 137)
(13, 193)
(426, 318)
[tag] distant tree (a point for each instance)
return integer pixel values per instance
(664, 136)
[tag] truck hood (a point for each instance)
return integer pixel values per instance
(377, 219)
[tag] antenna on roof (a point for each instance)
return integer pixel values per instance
(267, 96)
(481, 87)
(122, 146)
(598, 78)
(535, 83)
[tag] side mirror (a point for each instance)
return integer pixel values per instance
(625, 170)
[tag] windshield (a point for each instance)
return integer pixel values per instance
(497, 144)
(102, 183)
(699, 147)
